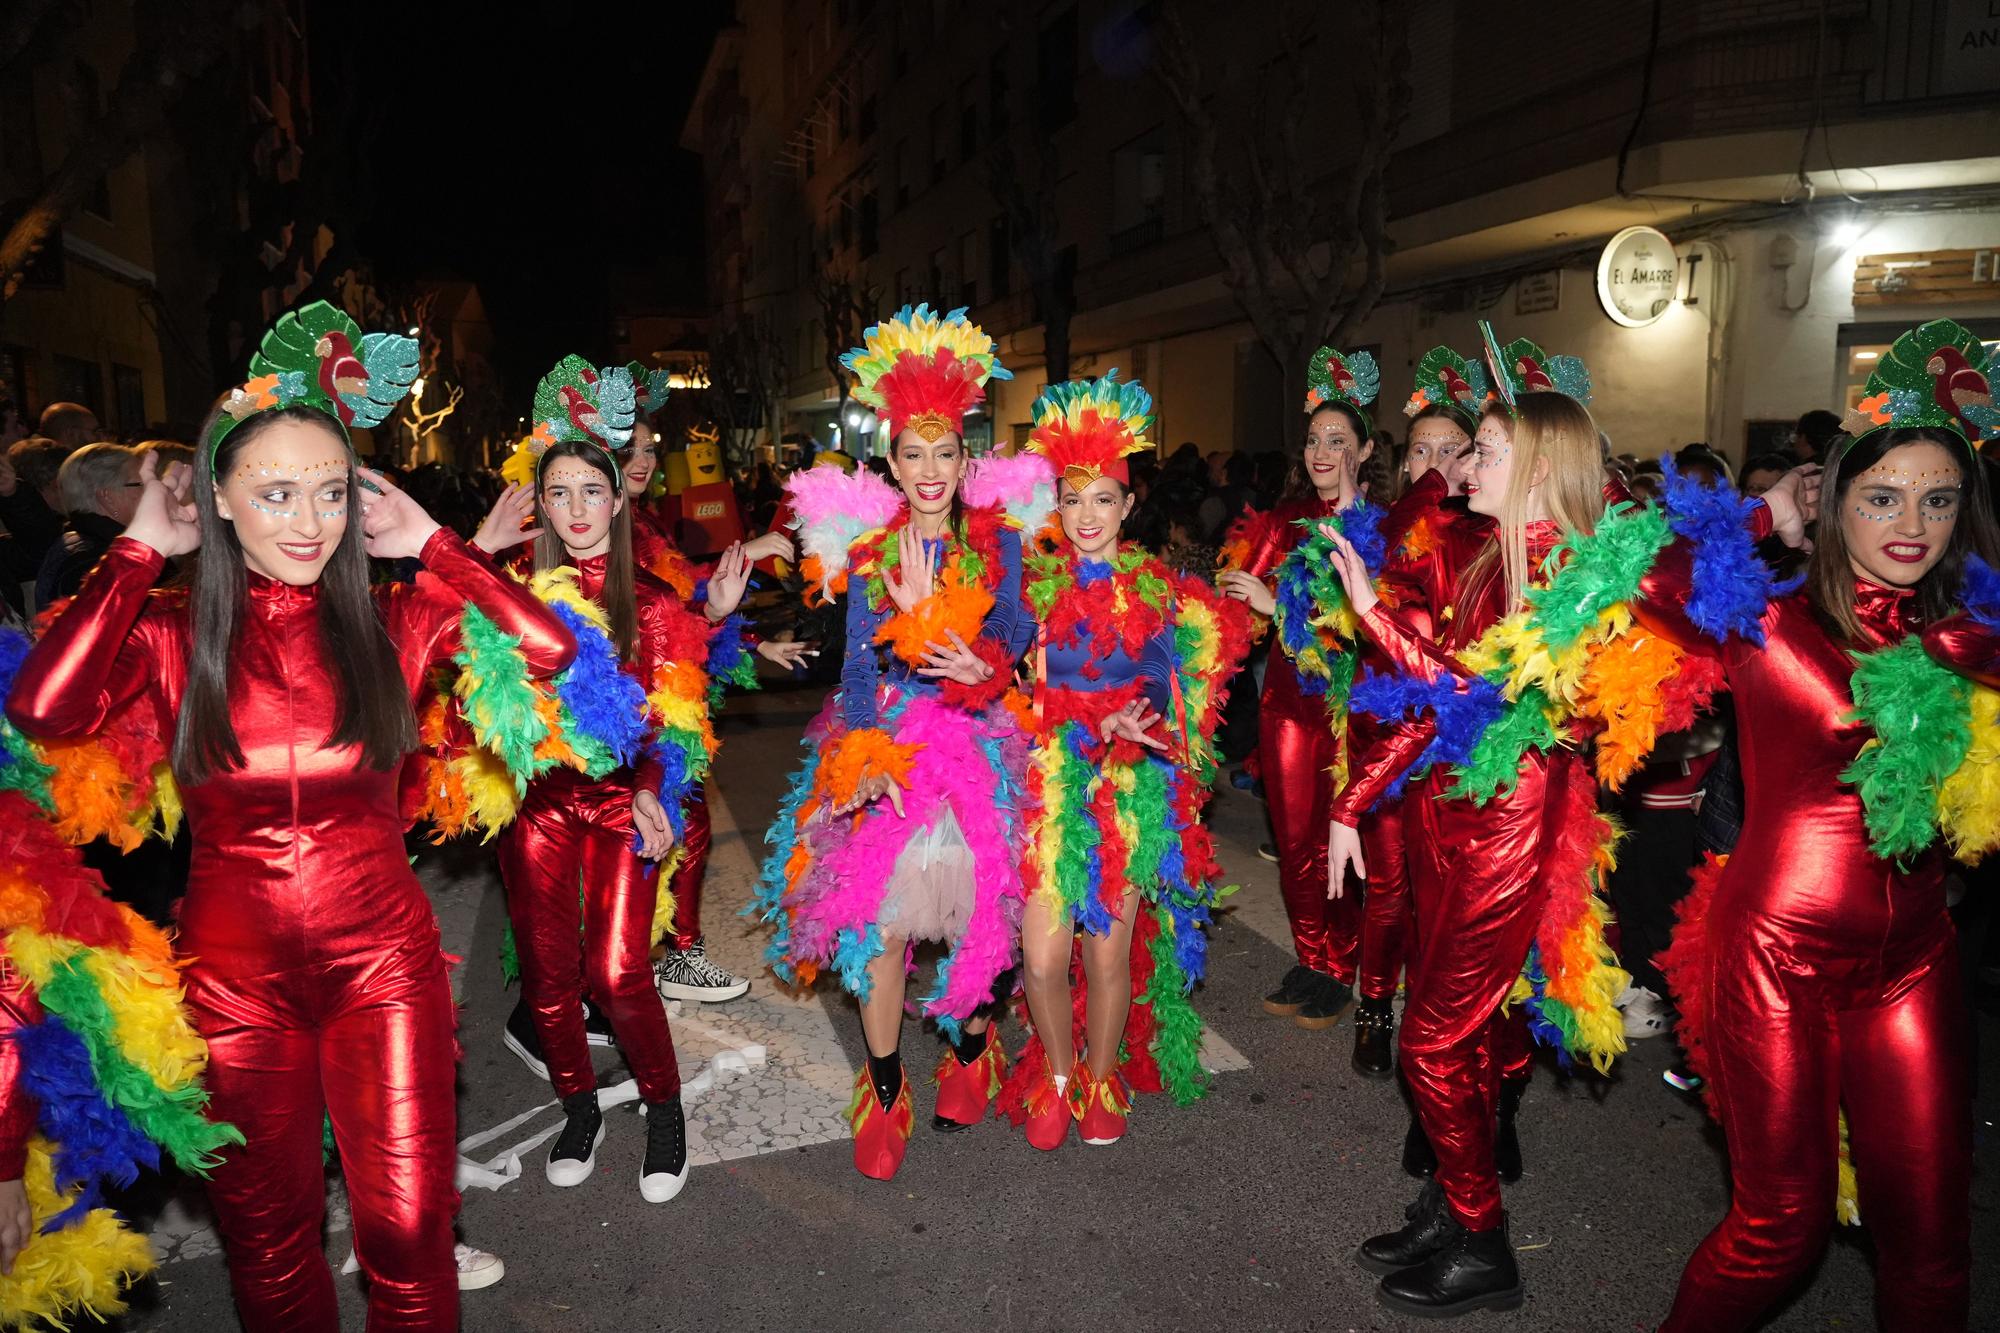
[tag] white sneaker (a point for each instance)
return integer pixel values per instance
(1647, 1015)
(687, 974)
(477, 1268)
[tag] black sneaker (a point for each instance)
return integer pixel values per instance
(1292, 992)
(1472, 1270)
(575, 1155)
(1330, 999)
(521, 1038)
(597, 1025)
(666, 1168)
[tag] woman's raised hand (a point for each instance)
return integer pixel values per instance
(395, 526)
(165, 519)
(1353, 571)
(916, 571)
(1247, 589)
(502, 528)
(1794, 502)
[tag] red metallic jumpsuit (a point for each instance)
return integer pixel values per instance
(570, 830)
(1833, 982)
(649, 544)
(1298, 752)
(1474, 875)
(315, 971)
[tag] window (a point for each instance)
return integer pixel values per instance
(940, 149)
(128, 399)
(869, 224)
(1138, 191)
(78, 381)
(968, 269)
(999, 259)
(968, 128)
(1055, 73)
(905, 168)
(903, 292)
(937, 278)
(868, 116)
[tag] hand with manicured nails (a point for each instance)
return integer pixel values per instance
(1343, 850)
(790, 656)
(1133, 722)
(954, 662)
(502, 528)
(649, 821)
(165, 519)
(772, 545)
(728, 583)
(1247, 589)
(911, 581)
(395, 526)
(1794, 502)
(1353, 571)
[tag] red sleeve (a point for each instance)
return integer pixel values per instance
(98, 655)
(423, 615)
(1373, 772)
(1967, 647)
(17, 1109)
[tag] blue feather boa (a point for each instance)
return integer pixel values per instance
(605, 703)
(1462, 709)
(1980, 593)
(1731, 584)
(95, 1142)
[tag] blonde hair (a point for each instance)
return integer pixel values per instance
(1555, 429)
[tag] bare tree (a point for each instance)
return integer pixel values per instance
(178, 39)
(1306, 261)
(846, 306)
(1028, 199)
(746, 377)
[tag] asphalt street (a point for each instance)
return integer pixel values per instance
(1240, 1212)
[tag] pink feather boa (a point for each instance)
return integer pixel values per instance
(842, 889)
(833, 507)
(1023, 485)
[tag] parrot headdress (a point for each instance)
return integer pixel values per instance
(923, 372)
(1085, 428)
(1335, 377)
(1446, 379)
(316, 356)
(576, 403)
(1523, 367)
(650, 386)
(1937, 375)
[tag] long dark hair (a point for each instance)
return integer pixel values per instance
(1298, 486)
(620, 607)
(374, 710)
(1830, 573)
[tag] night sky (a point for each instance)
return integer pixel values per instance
(541, 153)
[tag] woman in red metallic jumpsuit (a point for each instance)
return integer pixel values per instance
(1474, 868)
(1298, 745)
(316, 975)
(1825, 976)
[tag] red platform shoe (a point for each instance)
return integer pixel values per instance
(1050, 1111)
(966, 1092)
(1106, 1102)
(881, 1133)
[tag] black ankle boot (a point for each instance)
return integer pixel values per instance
(574, 1155)
(1374, 1022)
(1425, 1229)
(1473, 1270)
(1292, 993)
(1506, 1142)
(1419, 1158)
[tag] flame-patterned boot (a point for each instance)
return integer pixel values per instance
(1104, 1103)
(881, 1133)
(966, 1091)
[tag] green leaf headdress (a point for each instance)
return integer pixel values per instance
(1523, 367)
(317, 357)
(650, 385)
(1446, 379)
(1336, 377)
(576, 403)
(1937, 375)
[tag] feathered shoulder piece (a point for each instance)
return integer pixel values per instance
(1937, 375)
(316, 356)
(921, 371)
(1446, 379)
(1023, 487)
(831, 510)
(576, 403)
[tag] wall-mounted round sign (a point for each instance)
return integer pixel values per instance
(1637, 276)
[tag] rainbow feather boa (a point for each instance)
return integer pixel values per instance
(1933, 764)
(106, 1053)
(823, 884)
(1316, 626)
